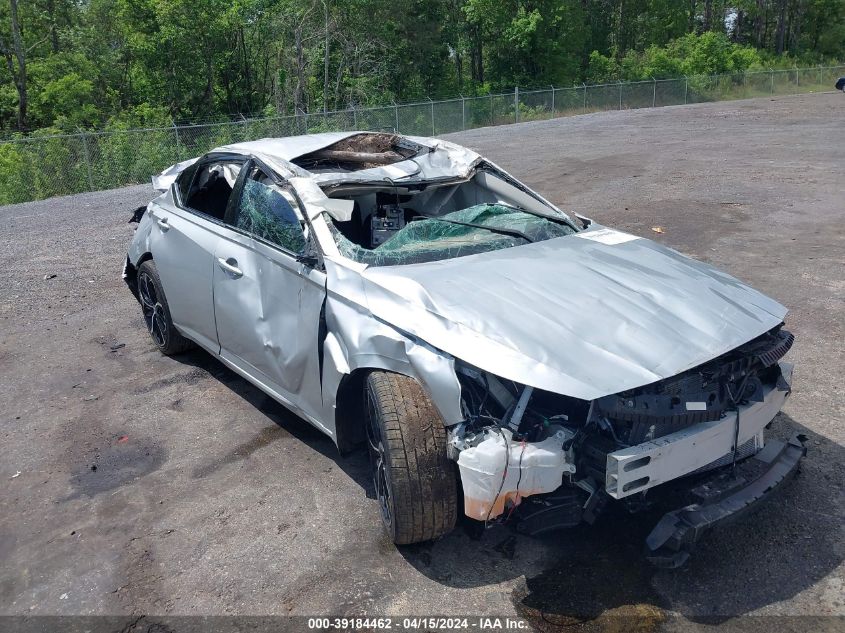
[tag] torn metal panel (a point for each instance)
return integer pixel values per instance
(361, 151)
(436, 371)
(444, 161)
(516, 182)
(316, 202)
(359, 340)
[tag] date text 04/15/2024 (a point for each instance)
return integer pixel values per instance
(427, 623)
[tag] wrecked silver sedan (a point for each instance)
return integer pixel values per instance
(490, 349)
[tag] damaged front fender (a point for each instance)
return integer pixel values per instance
(357, 340)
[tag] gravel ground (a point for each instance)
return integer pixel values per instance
(152, 485)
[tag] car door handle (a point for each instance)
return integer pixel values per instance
(230, 266)
(162, 224)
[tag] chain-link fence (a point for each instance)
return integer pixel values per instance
(39, 167)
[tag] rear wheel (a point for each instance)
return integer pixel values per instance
(415, 481)
(156, 312)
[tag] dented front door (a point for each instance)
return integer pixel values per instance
(266, 303)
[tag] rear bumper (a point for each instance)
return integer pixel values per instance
(722, 497)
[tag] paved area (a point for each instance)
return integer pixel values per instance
(171, 486)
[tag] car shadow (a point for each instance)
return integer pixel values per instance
(355, 465)
(597, 574)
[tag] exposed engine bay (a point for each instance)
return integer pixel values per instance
(518, 442)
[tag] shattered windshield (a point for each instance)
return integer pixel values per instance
(430, 239)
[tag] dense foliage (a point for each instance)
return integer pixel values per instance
(72, 64)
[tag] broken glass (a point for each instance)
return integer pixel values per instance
(432, 239)
(265, 212)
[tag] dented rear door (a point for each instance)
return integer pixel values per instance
(182, 243)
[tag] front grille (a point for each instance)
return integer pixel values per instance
(774, 354)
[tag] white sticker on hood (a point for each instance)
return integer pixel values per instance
(607, 236)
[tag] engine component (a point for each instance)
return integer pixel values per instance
(499, 470)
(385, 223)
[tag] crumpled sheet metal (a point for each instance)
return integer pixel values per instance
(162, 181)
(276, 152)
(356, 339)
(287, 148)
(269, 319)
(316, 202)
(586, 315)
(446, 161)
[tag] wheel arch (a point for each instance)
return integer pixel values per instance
(130, 271)
(350, 410)
(349, 398)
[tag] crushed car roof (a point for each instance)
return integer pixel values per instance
(443, 160)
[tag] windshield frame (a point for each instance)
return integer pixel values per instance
(481, 166)
(323, 227)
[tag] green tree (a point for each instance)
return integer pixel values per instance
(86, 63)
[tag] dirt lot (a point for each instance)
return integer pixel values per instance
(171, 486)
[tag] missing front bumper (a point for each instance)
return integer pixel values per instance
(723, 497)
(635, 469)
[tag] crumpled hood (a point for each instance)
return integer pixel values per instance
(585, 315)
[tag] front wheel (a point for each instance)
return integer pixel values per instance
(157, 313)
(415, 481)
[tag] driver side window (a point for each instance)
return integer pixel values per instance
(211, 188)
(271, 213)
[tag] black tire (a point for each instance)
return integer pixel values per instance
(157, 314)
(415, 481)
